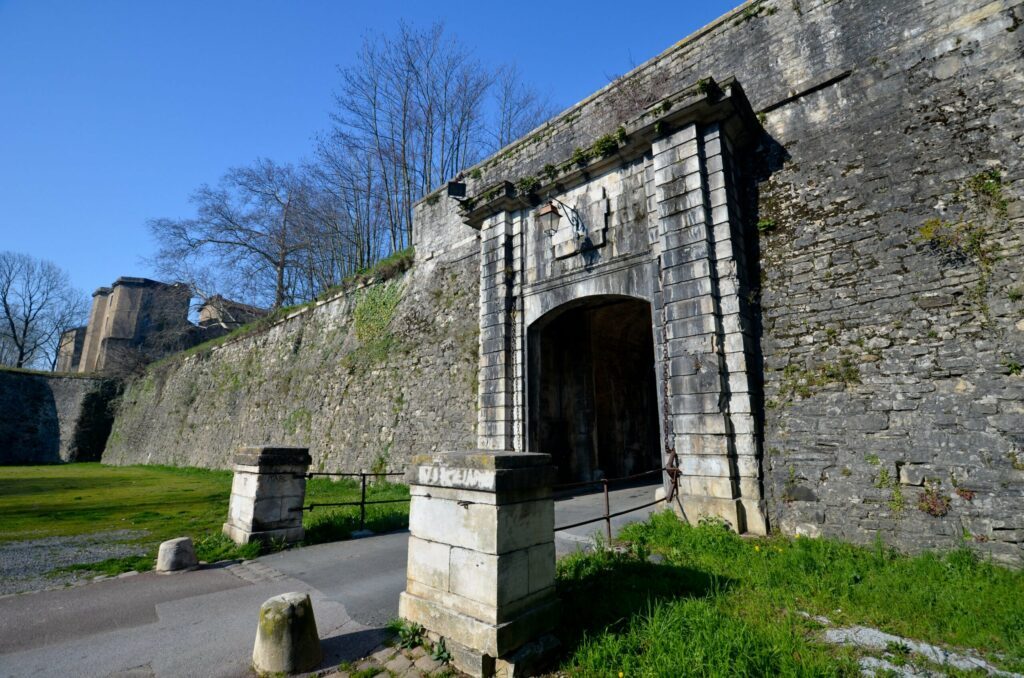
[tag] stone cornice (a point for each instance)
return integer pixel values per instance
(703, 102)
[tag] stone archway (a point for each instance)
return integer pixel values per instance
(593, 396)
(660, 220)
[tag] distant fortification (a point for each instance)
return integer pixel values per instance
(785, 254)
(137, 320)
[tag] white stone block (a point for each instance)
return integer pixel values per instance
(176, 555)
(542, 567)
(474, 575)
(429, 563)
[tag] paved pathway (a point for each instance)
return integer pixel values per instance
(203, 623)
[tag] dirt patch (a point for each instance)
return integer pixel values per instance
(25, 565)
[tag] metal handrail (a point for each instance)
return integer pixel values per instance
(672, 471)
(362, 503)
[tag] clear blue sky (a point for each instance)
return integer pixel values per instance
(113, 112)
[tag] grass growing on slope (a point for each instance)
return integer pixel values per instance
(163, 502)
(719, 604)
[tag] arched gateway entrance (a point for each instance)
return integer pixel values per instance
(616, 321)
(593, 400)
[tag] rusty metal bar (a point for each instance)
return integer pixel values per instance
(349, 503)
(609, 516)
(585, 483)
(607, 510)
(345, 475)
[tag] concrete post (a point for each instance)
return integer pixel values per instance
(286, 637)
(481, 569)
(266, 492)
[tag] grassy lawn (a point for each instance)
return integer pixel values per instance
(721, 605)
(165, 502)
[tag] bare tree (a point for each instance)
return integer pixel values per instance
(519, 107)
(37, 304)
(415, 109)
(634, 92)
(248, 233)
(346, 210)
(413, 106)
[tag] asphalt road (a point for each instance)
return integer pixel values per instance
(203, 623)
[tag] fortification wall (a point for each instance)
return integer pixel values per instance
(47, 419)
(884, 201)
(364, 380)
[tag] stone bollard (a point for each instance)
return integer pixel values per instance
(176, 555)
(481, 570)
(286, 638)
(267, 492)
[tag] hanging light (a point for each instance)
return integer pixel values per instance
(551, 214)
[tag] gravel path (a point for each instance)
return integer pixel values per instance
(24, 564)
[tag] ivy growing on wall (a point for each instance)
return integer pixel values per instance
(372, 316)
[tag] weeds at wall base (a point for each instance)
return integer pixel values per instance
(721, 604)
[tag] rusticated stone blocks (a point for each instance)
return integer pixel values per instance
(267, 493)
(481, 567)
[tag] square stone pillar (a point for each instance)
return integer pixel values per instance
(500, 376)
(707, 325)
(481, 569)
(267, 493)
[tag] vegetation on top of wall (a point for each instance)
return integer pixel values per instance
(384, 270)
(605, 146)
(387, 268)
(527, 185)
(753, 11)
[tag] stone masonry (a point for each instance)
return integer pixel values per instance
(47, 419)
(267, 492)
(481, 568)
(685, 257)
(845, 357)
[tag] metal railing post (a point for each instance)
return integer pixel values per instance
(607, 512)
(362, 501)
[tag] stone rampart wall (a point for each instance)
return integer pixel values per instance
(46, 419)
(884, 207)
(883, 202)
(363, 380)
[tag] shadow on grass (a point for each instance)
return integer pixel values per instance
(604, 591)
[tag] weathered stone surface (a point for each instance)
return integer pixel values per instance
(481, 567)
(267, 494)
(310, 381)
(286, 636)
(176, 555)
(872, 347)
(46, 419)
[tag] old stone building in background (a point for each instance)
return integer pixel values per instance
(137, 320)
(133, 321)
